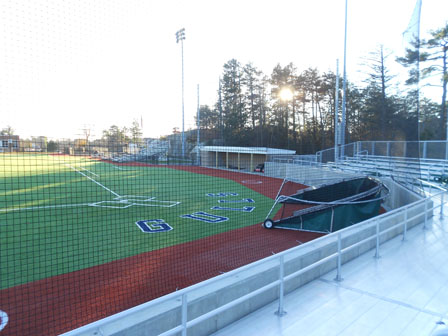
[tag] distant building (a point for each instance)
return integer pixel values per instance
(39, 143)
(9, 143)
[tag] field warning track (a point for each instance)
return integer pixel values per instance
(61, 303)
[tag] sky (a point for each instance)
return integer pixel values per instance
(67, 66)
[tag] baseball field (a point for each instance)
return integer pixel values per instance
(82, 238)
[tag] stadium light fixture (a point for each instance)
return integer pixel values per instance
(180, 37)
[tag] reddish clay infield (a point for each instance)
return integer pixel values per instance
(58, 304)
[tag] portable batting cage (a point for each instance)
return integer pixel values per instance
(329, 207)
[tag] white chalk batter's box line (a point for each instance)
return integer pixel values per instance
(123, 202)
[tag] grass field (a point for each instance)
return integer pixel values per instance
(59, 214)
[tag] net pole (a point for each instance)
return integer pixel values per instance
(336, 114)
(199, 133)
(183, 102)
(344, 89)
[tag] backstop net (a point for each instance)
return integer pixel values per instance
(106, 202)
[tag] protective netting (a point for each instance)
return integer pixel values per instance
(96, 219)
(89, 230)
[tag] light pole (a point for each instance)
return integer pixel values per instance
(344, 88)
(336, 115)
(198, 155)
(180, 36)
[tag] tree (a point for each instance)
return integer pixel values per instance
(429, 119)
(209, 118)
(252, 85)
(52, 146)
(378, 86)
(115, 134)
(433, 50)
(437, 48)
(312, 89)
(115, 138)
(282, 78)
(136, 132)
(234, 117)
(8, 130)
(328, 91)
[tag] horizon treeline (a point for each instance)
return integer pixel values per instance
(251, 109)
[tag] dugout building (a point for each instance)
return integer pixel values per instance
(240, 158)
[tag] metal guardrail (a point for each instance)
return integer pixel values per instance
(431, 149)
(95, 327)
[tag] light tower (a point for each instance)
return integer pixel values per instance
(180, 37)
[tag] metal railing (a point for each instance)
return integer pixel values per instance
(309, 159)
(402, 213)
(435, 149)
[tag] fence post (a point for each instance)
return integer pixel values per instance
(377, 249)
(424, 149)
(184, 314)
(446, 150)
(388, 148)
(280, 311)
(338, 274)
(405, 229)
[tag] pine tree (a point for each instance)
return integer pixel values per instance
(437, 48)
(377, 99)
(233, 112)
(433, 51)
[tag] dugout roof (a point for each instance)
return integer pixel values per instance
(248, 150)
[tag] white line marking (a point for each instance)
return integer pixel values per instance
(91, 179)
(117, 167)
(4, 320)
(89, 171)
(102, 204)
(132, 198)
(169, 205)
(44, 207)
(149, 202)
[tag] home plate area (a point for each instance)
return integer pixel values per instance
(123, 202)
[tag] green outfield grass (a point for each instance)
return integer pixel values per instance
(59, 214)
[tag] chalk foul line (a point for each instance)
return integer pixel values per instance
(91, 179)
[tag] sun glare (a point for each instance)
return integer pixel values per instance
(286, 94)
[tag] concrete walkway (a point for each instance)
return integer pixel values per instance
(404, 292)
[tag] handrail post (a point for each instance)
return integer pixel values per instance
(338, 274)
(377, 249)
(184, 314)
(280, 311)
(405, 229)
(441, 205)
